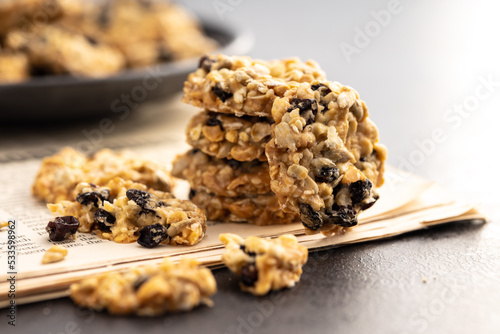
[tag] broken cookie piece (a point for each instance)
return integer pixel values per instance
(124, 211)
(264, 264)
(324, 157)
(54, 254)
(148, 291)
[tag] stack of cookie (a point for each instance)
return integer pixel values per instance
(227, 167)
(276, 141)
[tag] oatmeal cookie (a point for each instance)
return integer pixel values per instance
(257, 209)
(244, 86)
(60, 173)
(14, 67)
(149, 290)
(34, 13)
(264, 264)
(222, 177)
(56, 50)
(99, 38)
(324, 157)
(182, 35)
(13, 11)
(124, 211)
(230, 137)
(145, 32)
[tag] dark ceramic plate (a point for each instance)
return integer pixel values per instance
(65, 97)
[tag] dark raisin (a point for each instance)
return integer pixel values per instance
(322, 88)
(214, 121)
(104, 17)
(336, 190)
(139, 282)
(360, 190)
(344, 216)
(94, 197)
(104, 220)
(145, 200)
(363, 159)
(39, 71)
(327, 174)
(164, 54)
(62, 227)
(303, 104)
(206, 63)
(139, 196)
(249, 274)
(145, 3)
(151, 235)
(105, 194)
(244, 249)
(308, 108)
(310, 218)
(221, 93)
(325, 106)
(91, 40)
(368, 204)
(192, 193)
(234, 164)
(89, 197)
(194, 151)
(348, 216)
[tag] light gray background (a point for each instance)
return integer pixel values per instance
(430, 57)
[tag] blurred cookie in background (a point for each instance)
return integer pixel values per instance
(92, 40)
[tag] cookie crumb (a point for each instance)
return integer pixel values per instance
(54, 254)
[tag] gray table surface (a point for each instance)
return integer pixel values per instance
(424, 67)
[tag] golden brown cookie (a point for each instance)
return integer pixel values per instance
(59, 174)
(245, 86)
(222, 177)
(145, 32)
(229, 137)
(53, 49)
(258, 209)
(149, 290)
(126, 212)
